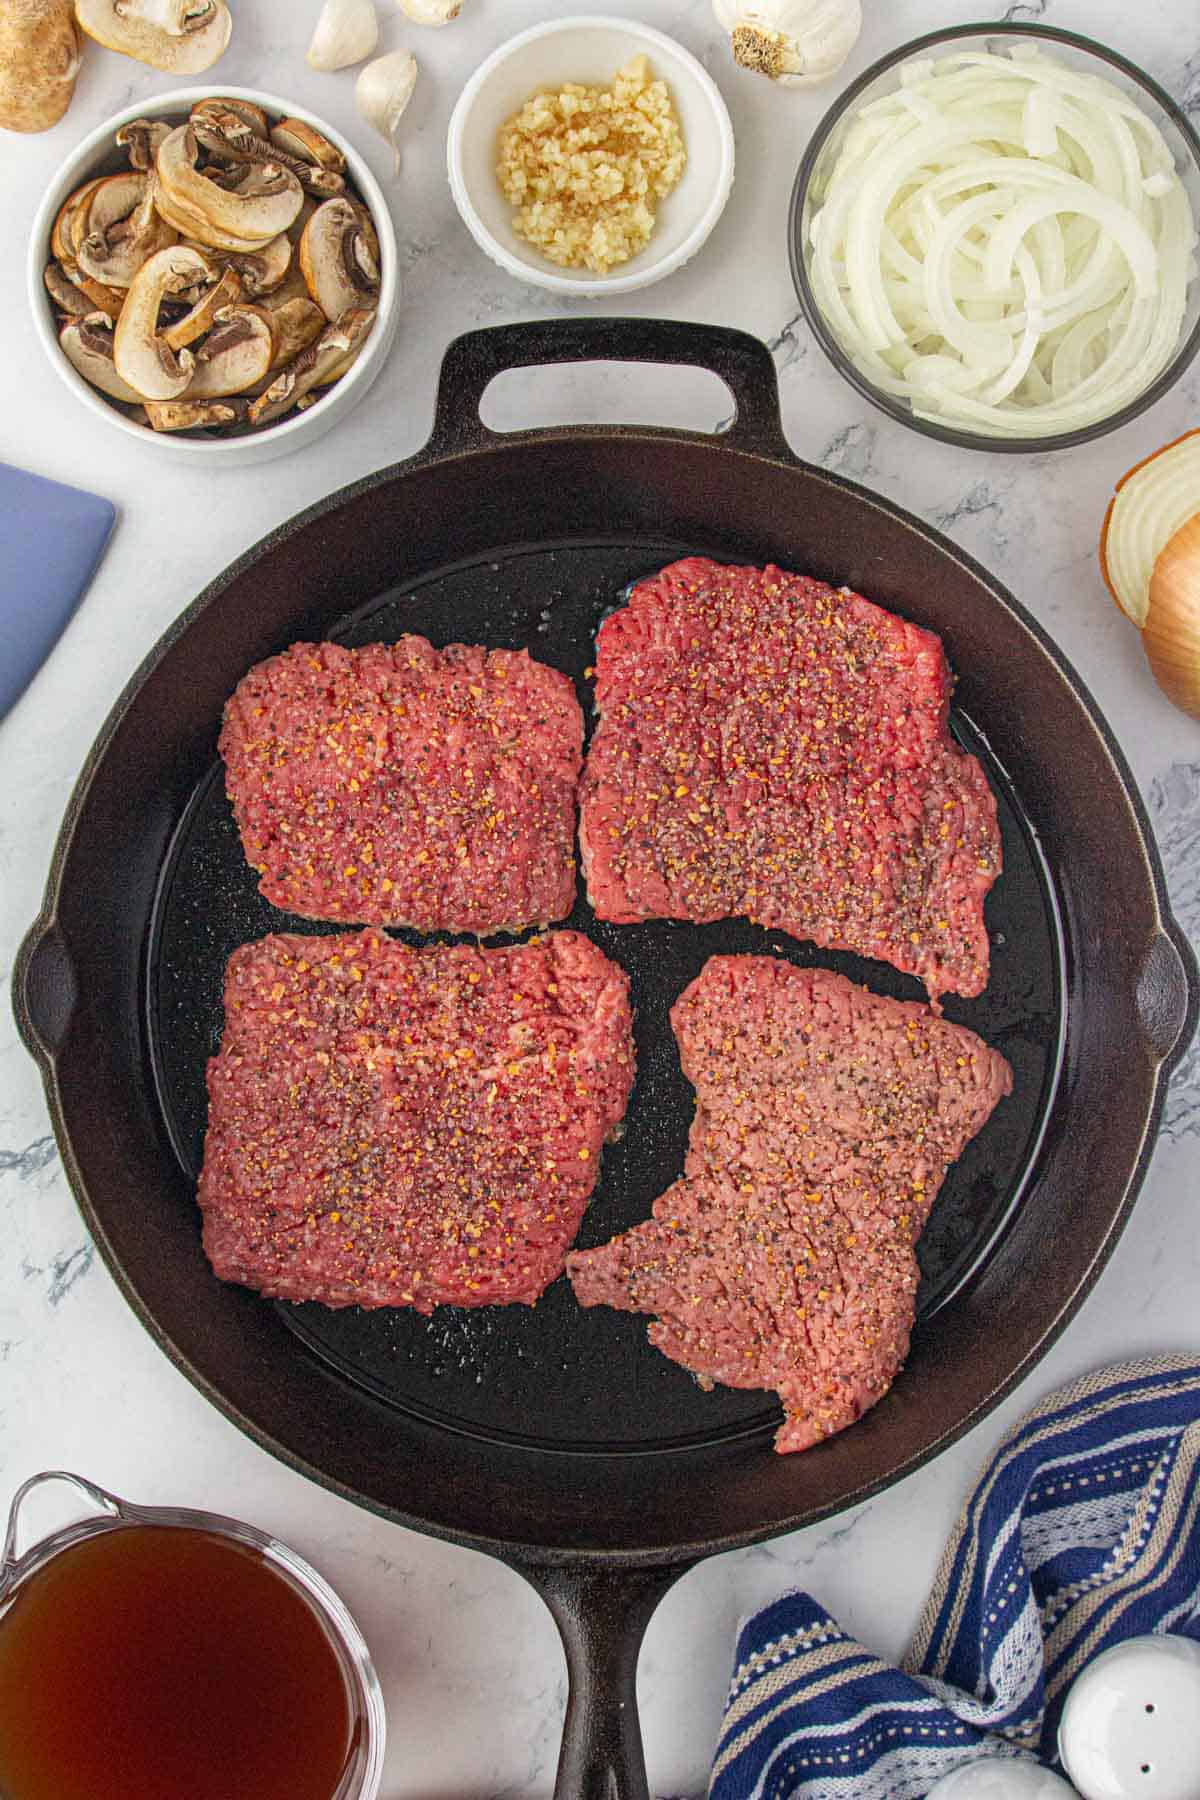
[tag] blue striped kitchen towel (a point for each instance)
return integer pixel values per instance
(1084, 1529)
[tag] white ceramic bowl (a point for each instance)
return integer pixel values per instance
(98, 155)
(589, 49)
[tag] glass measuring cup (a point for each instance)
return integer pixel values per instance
(362, 1767)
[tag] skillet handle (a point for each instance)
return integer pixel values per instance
(1168, 995)
(742, 362)
(602, 1615)
(44, 991)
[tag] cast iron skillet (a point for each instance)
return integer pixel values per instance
(553, 1438)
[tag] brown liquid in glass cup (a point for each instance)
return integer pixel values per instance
(178, 1656)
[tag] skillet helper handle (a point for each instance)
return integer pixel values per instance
(602, 1615)
(44, 990)
(742, 362)
(1168, 995)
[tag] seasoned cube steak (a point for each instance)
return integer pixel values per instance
(398, 1127)
(826, 1118)
(403, 785)
(773, 747)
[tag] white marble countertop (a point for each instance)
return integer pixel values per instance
(474, 1677)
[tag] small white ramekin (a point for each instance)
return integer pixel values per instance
(589, 49)
(98, 155)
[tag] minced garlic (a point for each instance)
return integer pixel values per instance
(586, 166)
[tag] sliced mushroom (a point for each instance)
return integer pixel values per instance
(227, 123)
(143, 357)
(227, 138)
(194, 226)
(235, 355)
(66, 296)
(118, 229)
(97, 295)
(141, 138)
(103, 298)
(298, 138)
(335, 349)
(182, 37)
(312, 151)
(200, 318)
(335, 370)
(62, 240)
(293, 287)
(299, 224)
(87, 345)
(245, 218)
(254, 116)
(339, 254)
(112, 198)
(263, 271)
(189, 414)
(295, 325)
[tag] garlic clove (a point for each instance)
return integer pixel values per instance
(430, 12)
(1171, 634)
(384, 89)
(796, 42)
(346, 33)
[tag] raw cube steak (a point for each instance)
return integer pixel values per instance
(772, 747)
(826, 1118)
(403, 785)
(399, 1127)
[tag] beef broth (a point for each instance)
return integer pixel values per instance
(166, 1663)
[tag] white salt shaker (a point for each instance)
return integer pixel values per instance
(1130, 1729)
(1001, 1778)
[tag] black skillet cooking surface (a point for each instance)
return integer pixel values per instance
(556, 1438)
(601, 1386)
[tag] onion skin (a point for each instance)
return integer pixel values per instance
(1171, 635)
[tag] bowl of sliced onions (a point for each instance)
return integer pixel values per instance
(993, 237)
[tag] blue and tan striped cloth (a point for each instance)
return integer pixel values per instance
(1084, 1530)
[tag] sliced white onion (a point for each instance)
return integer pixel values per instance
(1005, 242)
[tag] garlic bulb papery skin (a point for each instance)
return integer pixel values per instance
(384, 89)
(347, 32)
(430, 12)
(798, 43)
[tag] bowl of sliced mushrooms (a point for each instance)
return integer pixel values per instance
(216, 274)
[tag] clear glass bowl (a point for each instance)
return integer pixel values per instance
(363, 1774)
(884, 77)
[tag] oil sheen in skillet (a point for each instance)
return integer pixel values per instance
(168, 1662)
(555, 1375)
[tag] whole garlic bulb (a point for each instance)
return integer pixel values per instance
(384, 89)
(796, 42)
(347, 32)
